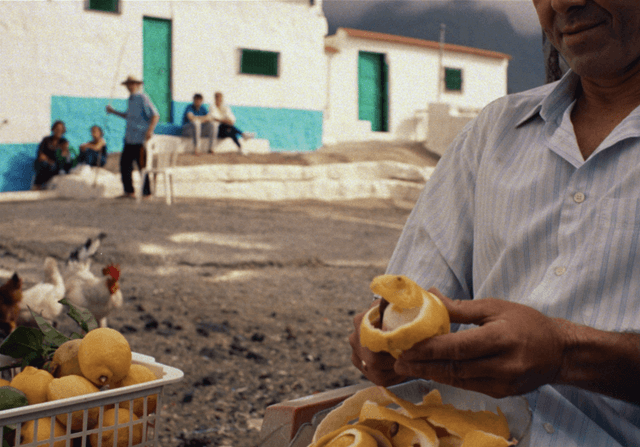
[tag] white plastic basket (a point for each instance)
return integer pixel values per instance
(102, 400)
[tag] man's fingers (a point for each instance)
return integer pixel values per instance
(469, 344)
(468, 311)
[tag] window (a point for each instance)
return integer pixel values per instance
(259, 62)
(453, 79)
(104, 5)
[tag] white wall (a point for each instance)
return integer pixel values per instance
(51, 48)
(413, 84)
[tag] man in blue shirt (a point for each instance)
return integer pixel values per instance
(531, 225)
(142, 118)
(196, 123)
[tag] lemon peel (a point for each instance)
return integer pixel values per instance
(353, 436)
(33, 382)
(410, 432)
(483, 439)
(413, 315)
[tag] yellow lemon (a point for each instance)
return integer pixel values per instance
(104, 356)
(65, 359)
(139, 374)
(72, 386)
(44, 432)
(4, 382)
(413, 315)
(33, 382)
(108, 420)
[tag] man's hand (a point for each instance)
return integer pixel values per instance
(514, 350)
(377, 367)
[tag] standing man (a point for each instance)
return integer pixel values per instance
(531, 225)
(142, 118)
(196, 123)
(224, 116)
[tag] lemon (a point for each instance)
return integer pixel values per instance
(44, 432)
(65, 359)
(33, 382)
(72, 386)
(4, 382)
(139, 374)
(413, 315)
(108, 420)
(104, 356)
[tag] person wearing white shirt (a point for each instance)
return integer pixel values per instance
(529, 231)
(222, 114)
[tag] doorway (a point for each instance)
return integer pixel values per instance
(373, 87)
(156, 65)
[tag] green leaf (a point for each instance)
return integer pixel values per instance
(11, 398)
(52, 336)
(81, 316)
(75, 335)
(22, 342)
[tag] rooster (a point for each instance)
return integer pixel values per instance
(100, 296)
(43, 297)
(10, 298)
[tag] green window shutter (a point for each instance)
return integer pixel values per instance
(259, 62)
(453, 79)
(104, 5)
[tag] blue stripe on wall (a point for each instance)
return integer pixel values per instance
(16, 166)
(286, 129)
(80, 114)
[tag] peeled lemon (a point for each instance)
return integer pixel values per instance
(413, 315)
(33, 382)
(104, 356)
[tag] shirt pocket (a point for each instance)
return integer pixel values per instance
(611, 281)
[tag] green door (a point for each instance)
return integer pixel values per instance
(156, 57)
(373, 90)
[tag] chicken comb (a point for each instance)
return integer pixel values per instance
(112, 270)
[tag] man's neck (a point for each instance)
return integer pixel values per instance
(601, 105)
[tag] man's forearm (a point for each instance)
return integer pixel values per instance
(153, 123)
(603, 362)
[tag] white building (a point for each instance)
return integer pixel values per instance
(65, 59)
(381, 85)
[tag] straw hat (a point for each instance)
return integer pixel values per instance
(131, 79)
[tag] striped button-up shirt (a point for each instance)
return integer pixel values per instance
(513, 211)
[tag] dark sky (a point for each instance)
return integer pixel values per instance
(507, 26)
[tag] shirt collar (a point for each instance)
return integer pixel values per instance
(553, 105)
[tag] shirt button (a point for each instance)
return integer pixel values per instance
(559, 271)
(579, 197)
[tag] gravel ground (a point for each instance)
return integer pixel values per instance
(253, 301)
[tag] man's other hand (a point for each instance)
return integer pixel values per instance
(378, 367)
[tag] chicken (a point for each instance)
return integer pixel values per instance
(84, 252)
(43, 297)
(10, 298)
(100, 296)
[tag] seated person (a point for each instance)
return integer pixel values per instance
(52, 157)
(94, 152)
(196, 123)
(222, 114)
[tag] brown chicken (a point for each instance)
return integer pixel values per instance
(10, 298)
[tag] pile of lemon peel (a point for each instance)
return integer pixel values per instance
(375, 417)
(413, 315)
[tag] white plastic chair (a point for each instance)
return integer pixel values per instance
(162, 155)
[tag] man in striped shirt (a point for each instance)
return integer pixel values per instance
(531, 225)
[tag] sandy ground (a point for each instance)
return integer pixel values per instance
(252, 300)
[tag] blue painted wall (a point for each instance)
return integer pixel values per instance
(286, 130)
(16, 166)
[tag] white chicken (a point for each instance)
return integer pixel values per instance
(43, 297)
(100, 296)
